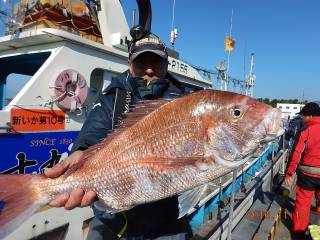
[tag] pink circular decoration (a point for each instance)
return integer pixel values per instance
(71, 90)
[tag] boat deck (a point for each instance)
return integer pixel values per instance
(285, 223)
(270, 218)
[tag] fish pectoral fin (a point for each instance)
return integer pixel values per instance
(190, 199)
(202, 165)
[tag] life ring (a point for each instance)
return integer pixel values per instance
(71, 90)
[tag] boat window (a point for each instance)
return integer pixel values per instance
(287, 107)
(99, 80)
(189, 89)
(16, 71)
(15, 83)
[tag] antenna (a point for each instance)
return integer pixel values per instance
(133, 17)
(12, 15)
(244, 61)
(228, 59)
(251, 78)
(6, 13)
(174, 32)
(222, 74)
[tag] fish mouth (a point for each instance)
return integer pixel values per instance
(273, 125)
(272, 136)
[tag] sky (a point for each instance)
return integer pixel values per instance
(284, 35)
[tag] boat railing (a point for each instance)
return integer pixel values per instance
(222, 187)
(229, 199)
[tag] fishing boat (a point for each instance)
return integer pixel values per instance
(67, 73)
(71, 51)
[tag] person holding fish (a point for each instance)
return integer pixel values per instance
(306, 161)
(149, 168)
(147, 78)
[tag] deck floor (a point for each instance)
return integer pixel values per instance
(283, 229)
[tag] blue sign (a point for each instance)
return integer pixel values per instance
(33, 152)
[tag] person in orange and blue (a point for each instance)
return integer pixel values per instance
(305, 160)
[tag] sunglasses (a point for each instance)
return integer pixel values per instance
(149, 60)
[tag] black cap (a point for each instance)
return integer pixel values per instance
(310, 109)
(317, 102)
(149, 43)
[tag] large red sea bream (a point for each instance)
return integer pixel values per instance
(163, 148)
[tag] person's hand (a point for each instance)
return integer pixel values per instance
(288, 181)
(78, 197)
(287, 157)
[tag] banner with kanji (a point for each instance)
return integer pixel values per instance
(30, 120)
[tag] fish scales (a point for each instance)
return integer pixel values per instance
(171, 125)
(136, 171)
(180, 146)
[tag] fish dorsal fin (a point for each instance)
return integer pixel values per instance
(136, 112)
(189, 199)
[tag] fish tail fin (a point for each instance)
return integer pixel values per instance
(19, 199)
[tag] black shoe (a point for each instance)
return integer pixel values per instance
(301, 235)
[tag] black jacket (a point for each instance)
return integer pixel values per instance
(149, 220)
(102, 117)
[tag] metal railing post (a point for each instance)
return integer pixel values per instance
(271, 170)
(220, 189)
(234, 177)
(283, 154)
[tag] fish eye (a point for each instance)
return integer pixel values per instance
(236, 112)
